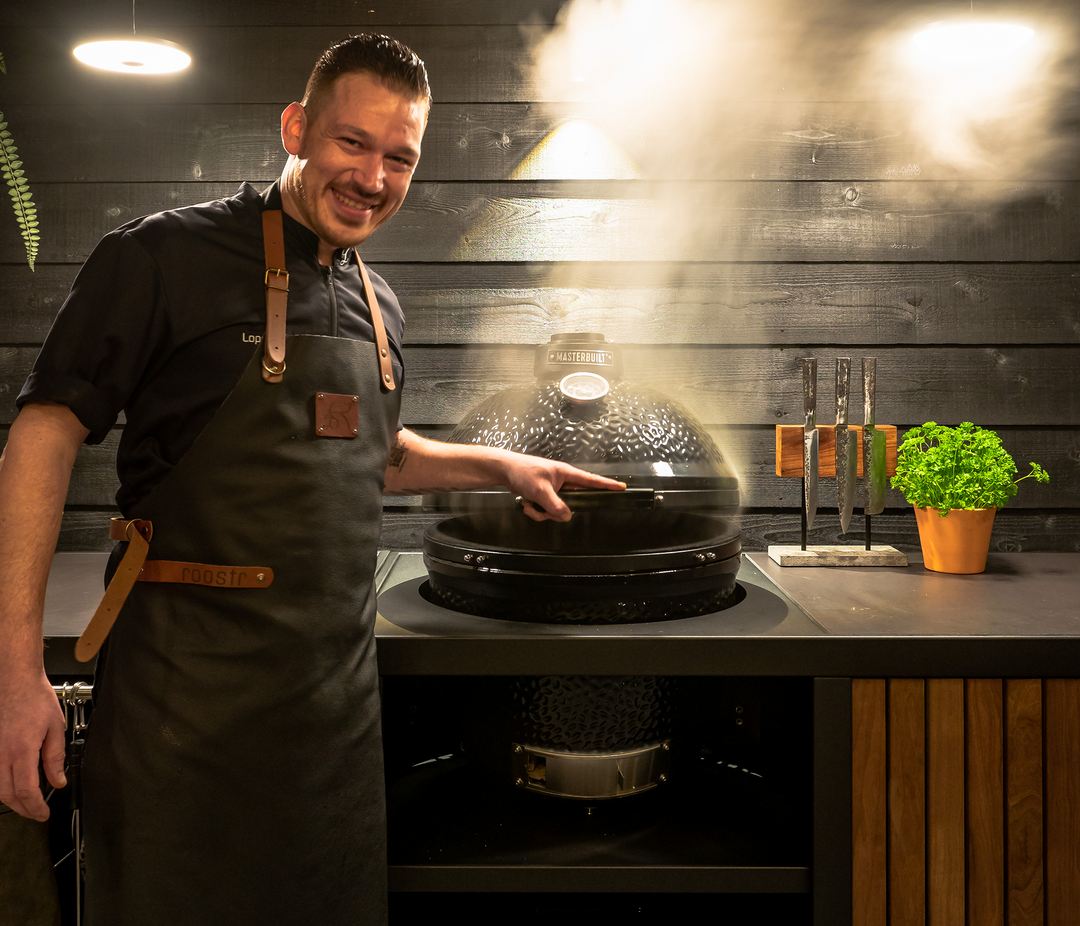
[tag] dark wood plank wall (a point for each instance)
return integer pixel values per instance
(827, 232)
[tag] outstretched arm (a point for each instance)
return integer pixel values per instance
(418, 465)
(34, 471)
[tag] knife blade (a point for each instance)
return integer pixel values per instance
(810, 440)
(873, 442)
(846, 458)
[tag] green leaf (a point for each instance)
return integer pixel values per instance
(19, 190)
(963, 467)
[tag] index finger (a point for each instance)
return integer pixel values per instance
(578, 478)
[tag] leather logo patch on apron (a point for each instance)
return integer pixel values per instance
(336, 415)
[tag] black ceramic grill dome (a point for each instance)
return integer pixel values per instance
(624, 429)
(636, 556)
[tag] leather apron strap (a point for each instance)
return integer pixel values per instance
(138, 534)
(386, 369)
(277, 297)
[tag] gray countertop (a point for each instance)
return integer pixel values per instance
(1020, 594)
(1019, 618)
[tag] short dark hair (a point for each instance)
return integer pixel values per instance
(385, 58)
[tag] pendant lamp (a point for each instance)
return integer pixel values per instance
(133, 55)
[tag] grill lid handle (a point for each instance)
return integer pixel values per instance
(606, 499)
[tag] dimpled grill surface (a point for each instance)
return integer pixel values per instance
(628, 425)
(586, 713)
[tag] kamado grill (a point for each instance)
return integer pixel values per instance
(646, 554)
(659, 551)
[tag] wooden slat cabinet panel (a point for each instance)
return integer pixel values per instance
(985, 827)
(869, 833)
(1000, 836)
(1024, 801)
(906, 788)
(1062, 698)
(945, 811)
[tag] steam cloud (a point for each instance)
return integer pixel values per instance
(679, 84)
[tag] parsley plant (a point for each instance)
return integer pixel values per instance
(963, 467)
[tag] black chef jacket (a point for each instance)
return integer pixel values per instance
(166, 313)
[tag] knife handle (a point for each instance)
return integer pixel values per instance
(843, 384)
(869, 378)
(810, 389)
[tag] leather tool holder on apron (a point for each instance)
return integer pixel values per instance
(233, 767)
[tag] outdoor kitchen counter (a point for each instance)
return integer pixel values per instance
(1021, 618)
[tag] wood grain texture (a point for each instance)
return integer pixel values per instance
(907, 802)
(771, 303)
(945, 843)
(483, 141)
(869, 819)
(1062, 746)
(683, 303)
(789, 447)
(995, 386)
(1028, 386)
(985, 818)
(1024, 801)
(636, 221)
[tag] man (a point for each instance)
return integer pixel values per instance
(233, 767)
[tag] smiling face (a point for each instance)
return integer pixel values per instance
(350, 164)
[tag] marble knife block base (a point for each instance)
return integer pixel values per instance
(837, 555)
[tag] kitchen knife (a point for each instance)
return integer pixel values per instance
(873, 443)
(847, 463)
(810, 440)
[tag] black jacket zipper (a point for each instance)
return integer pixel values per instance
(333, 301)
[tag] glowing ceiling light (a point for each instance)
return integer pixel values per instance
(972, 43)
(134, 56)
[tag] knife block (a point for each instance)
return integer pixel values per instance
(789, 462)
(789, 449)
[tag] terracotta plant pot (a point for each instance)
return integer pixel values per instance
(957, 543)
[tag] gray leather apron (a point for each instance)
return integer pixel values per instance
(233, 770)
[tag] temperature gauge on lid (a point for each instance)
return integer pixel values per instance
(582, 388)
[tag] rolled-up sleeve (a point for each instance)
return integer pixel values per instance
(105, 336)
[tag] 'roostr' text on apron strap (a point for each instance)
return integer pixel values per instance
(135, 567)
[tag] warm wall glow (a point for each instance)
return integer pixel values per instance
(134, 56)
(576, 150)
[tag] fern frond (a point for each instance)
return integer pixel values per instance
(19, 191)
(3, 67)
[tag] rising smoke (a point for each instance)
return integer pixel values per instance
(682, 86)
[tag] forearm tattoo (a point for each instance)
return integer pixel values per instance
(398, 453)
